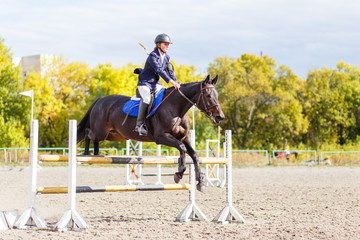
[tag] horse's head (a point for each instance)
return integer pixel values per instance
(208, 100)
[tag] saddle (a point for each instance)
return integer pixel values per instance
(131, 107)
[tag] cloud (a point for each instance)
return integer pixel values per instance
(296, 33)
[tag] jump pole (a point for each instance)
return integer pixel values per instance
(229, 213)
(71, 219)
(88, 159)
(191, 212)
(30, 217)
(114, 188)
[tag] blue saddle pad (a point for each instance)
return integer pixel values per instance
(134, 110)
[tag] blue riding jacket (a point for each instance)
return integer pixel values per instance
(154, 69)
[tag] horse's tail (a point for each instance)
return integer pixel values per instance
(84, 123)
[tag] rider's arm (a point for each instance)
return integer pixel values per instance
(175, 84)
(157, 67)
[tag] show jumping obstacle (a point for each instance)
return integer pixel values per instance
(72, 219)
(114, 188)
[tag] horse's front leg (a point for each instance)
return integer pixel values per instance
(169, 140)
(194, 156)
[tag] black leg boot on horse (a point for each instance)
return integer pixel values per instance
(140, 125)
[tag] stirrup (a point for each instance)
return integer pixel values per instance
(141, 130)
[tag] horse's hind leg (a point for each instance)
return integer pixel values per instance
(96, 148)
(87, 142)
(96, 137)
(198, 175)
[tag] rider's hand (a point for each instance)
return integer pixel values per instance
(176, 84)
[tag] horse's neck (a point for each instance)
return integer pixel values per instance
(181, 103)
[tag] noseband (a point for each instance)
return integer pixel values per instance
(201, 95)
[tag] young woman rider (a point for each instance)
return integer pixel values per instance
(156, 65)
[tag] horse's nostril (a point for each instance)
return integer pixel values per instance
(219, 118)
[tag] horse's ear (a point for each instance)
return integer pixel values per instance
(207, 79)
(214, 80)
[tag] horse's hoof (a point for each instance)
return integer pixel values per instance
(177, 177)
(200, 187)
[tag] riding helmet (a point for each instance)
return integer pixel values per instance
(162, 38)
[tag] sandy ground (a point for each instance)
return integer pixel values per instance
(277, 203)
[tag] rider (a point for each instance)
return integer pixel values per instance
(155, 66)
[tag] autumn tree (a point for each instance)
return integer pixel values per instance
(60, 95)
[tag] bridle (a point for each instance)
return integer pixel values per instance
(201, 95)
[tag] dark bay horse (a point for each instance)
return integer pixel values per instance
(169, 125)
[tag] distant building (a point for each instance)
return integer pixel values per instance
(41, 63)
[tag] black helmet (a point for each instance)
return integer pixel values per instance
(162, 38)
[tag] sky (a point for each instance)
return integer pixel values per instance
(301, 34)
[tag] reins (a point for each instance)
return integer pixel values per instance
(182, 94)
(152, 111)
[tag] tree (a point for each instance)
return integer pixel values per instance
(60, 95)
(332, 104)
(14, 109)
(260, 102)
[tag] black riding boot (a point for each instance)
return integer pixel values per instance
(140, 126)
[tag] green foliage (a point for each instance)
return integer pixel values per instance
(260, 102)
(332, 105)
(14, 113)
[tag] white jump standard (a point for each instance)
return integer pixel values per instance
(30, 217)
(229, 213)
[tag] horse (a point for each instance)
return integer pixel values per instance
(287, 154)
(169, 125)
